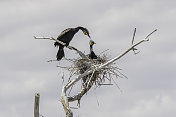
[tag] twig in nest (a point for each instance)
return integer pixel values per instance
(116, 85)
(70, 90)
(122, 74)
(73, 108)
(72, 73)
(96, 98)
(104, 51)
(105, 84)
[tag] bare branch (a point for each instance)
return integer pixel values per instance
(134, 49)
(51, 38)
(150, 34)
(36, 105)
(133, 36)
(70, 47)
(121, 55)
(65, 103)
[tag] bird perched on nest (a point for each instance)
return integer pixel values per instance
(66, 36)
(92, 55)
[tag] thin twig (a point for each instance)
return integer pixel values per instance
(51, 60)
(96, 98)
(122, 74)
(105, 84)
(133, 42)
(73, 108)
(133, 36)
(104, 51)
(116, 85)
(150, 34)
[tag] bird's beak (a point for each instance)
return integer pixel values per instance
(85, 33)
(88, 35)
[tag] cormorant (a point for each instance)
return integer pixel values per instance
(66, 36)
(92, 55)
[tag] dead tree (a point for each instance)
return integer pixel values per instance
(91, 72)
(36, 105)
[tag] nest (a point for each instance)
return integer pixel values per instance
(103, 76)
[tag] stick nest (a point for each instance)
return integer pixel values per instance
(99, 77)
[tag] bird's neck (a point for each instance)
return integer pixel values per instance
(91, 48)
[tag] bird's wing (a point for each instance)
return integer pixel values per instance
(64, 32)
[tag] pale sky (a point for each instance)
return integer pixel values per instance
(150, 89)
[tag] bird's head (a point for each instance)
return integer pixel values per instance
(85, 31)
(91, 43)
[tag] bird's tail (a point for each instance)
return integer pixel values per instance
(60, 53)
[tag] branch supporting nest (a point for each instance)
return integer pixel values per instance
(65, 103)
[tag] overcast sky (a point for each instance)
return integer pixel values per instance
(149, 91)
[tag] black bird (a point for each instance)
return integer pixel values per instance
(92, 55)
(66, 36)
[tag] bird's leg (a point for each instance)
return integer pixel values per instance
(66, 44)
(71, 48)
